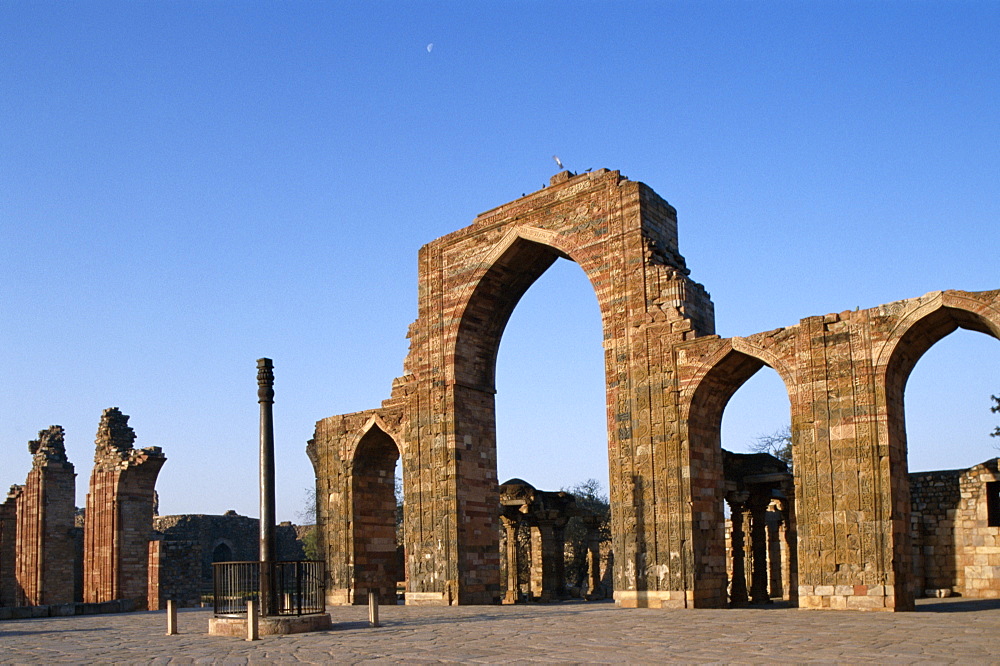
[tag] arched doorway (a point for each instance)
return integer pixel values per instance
(552, 430)
(742, 493)
(946, 513)
(377, 562)
(222, 552)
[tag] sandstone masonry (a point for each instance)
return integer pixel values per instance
(119, 515)
(668, 380)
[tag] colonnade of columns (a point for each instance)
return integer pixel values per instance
(546, 515)
(762, 531)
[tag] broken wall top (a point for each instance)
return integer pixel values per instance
(114, 443)
(49, 449)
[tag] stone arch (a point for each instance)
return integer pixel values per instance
(917, 329)
(374, 563)
(711, 387)
(504, 276)
(222, 551)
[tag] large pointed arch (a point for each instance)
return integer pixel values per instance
(504, 275)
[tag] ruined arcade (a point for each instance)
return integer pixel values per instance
(668, 380)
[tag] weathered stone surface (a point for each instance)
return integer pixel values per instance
(119, 515)
(192, 542)
(669, 379)
(45, 513)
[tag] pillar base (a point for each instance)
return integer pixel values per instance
(269, 626)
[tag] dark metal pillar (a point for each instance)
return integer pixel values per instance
(265, 396)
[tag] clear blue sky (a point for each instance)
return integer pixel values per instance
(188, 186)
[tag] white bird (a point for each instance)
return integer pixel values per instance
(558, 161)
(430, 47)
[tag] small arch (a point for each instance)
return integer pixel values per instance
(713, 385)
(374, 422)
(375, 558)
(222, 551)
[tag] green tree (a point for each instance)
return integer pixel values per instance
(778, 444)
(995, 408)
(307, 517)
(590, 496)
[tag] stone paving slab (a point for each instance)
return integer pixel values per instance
(940, 632)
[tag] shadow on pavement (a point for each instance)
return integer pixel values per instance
(7, 634)
(956, 605)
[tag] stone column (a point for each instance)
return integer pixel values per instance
(775, 562)
(758, 504)
(738, 585)
(559, 557)
(8, 548)
(551, 564)
(45, 516)
(593, 559)
(790, 547)
(513, 560)
(119, 519)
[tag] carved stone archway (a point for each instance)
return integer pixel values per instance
(660, 347)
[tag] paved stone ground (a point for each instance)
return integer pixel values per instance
(940, 632)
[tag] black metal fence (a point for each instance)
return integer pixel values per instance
(297, 588)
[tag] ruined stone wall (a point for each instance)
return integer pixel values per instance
(669, 379)
(119, 515)
(977, 533)
(934, 498)
(845, 374)
(230, 537)
(8, 549)
(174, 573)
(354, 456)
(45, 509)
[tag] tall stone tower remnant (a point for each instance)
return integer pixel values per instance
(44, 508)
(119, 514)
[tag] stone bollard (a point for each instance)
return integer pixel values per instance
(253, 628)
(373, 609)
(171, 617)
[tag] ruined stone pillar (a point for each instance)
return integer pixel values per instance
(559, 558)
(536, 582)
(593, 541)
(119, 517)
(789, 548)
(8, 548)
(758, 504)
(738, 585)
(549, 544)
(513, 560)
(45, 510)
(775, 561)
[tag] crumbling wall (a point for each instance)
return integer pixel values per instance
(934, 498)
(8, 549)
(119, 513)
(231, 536)
(45, 509)
(977, 527)
(174, 573)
